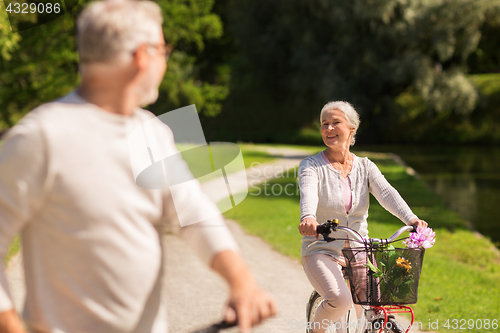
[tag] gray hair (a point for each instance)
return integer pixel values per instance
(112, 28)
(349, 111)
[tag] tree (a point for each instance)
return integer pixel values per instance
(299, 54)
(486, 58)
(189, 26)
(40, 64)
(8, 39)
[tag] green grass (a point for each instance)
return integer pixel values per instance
(270, 216)
(252, 154)
(257, 153)
(13, 249)
(461, 272)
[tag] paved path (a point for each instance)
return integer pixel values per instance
(196, 295)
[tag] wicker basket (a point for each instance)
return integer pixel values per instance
(383, 276)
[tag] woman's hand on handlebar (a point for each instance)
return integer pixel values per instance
(418, 223)
(307, 227)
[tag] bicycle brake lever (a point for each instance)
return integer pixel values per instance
(328, 239)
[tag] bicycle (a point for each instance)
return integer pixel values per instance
(377, 300)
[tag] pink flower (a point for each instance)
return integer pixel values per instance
(424, 237)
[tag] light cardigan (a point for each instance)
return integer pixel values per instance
(321, 198)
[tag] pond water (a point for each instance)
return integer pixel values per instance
(467, 178)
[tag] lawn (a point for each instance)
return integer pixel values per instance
(460, 273)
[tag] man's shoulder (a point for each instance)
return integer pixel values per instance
(58, 108)
(45, 113)
(72, 108)
(144, 115)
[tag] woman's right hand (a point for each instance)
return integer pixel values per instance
(307, 227)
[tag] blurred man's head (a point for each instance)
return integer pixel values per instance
(121, 35)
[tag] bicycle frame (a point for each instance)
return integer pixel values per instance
(385, 310)
(389, 309)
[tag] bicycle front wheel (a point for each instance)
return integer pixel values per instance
(314, 301)
(347, 324)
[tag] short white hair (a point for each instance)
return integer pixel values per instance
(109, 29)
(350, 113)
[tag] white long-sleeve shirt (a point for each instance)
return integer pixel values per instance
(321, 198)
(90, 235)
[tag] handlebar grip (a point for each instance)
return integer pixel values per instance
(323, 229)
(327, 227)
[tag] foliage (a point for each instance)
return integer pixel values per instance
(8, 40)
(486, 58)
(393, 272)
(395, 275)
(190, 26)
(295, 55)
(481, 126)
(42, 68)
(39, 64)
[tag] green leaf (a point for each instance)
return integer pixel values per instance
(404, 289)
(392, 258)
(383, 287)
(398, 281)
(372, 267)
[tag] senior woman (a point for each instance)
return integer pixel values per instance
(336, 184)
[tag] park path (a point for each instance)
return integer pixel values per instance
(196, 295)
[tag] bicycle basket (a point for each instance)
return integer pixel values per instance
(381, 276)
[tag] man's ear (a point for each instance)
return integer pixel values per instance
(141, 56)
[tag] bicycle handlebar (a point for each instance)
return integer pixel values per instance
(215, 328)
(333, 225)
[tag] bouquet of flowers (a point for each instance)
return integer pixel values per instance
(424, 238)
(398, 270)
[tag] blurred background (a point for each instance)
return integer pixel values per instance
(423, 74)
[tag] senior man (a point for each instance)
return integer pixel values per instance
(91, 237)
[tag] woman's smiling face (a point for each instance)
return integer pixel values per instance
(335, 129)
